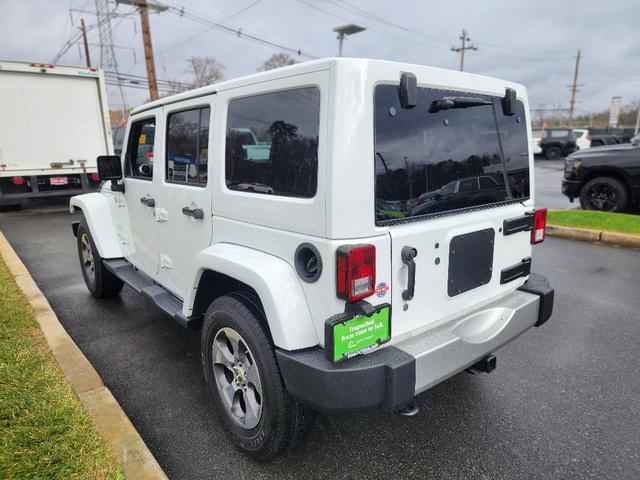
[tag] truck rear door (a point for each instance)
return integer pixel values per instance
(449, 173)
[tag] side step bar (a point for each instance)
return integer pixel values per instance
(164, 299)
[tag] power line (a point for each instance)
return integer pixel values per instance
(237, 32)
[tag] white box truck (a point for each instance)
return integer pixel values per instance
(54, 122)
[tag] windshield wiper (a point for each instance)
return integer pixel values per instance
(446, 103)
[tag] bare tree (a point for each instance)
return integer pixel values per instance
(205, 70)
(277, 60)
(174, 87)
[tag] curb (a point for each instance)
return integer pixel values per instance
(595, 236)
(126, 445)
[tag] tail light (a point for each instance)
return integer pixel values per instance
(539, 226)
(17, 181)
(95, 177)
(588, 137)
(356, 267)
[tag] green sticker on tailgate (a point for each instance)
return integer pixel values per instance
(358, 333)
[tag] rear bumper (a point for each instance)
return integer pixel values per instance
(392, 376)
(33, 188)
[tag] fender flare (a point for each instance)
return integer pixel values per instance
(275, 282)
(96, 210)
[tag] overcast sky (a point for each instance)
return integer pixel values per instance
(531, 42)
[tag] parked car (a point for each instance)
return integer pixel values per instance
(582, 138)
(536, 139)
(466, 192)
(319, 289)
(601, 139)
(557, 143)
(610, 136)
(604, 178)
(255, 150)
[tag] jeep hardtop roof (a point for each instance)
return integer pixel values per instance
(306, 67)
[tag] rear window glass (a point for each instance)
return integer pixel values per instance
(272, 143)
(430, 160)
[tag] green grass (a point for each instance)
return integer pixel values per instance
(44, 431)
(601, 221)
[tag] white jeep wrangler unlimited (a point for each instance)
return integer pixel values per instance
(379, 243)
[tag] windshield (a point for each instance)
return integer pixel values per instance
(429, 161)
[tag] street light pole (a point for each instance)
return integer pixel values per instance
(346, 30)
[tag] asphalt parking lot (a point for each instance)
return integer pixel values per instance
(563, 402)
(548, 174)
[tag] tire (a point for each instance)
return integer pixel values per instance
(553, 153)
(258, 413)
(100, 281)
(604, 193)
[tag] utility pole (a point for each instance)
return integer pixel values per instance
(143, 8)
(574, 88)
(464, 47)
(86, 44)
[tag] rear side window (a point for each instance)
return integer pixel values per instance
(272, 143)
(188, 146)
(452, 151)
(559, 133)
(139, 157)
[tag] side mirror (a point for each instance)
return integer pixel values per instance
(109, 167)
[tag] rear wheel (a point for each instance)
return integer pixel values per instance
(553, 153)
(244, 381)
(100, 281)
(604, 193)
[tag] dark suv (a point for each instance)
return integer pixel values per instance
(604, 178)
(557, 142)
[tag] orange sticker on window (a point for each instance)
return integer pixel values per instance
(142, 139)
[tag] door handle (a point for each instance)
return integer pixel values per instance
(408, 254)
(148, 201)
(196, 213)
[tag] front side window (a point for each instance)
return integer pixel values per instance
(272, 143)
(188, 146)
(452, 151)
(139, 157)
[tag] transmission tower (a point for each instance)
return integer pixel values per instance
(108, 60)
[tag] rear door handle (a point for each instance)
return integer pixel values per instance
(148, 201)
(408, 254)
(196, 213)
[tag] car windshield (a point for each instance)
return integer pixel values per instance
(422, 150)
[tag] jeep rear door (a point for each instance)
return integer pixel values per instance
(183, 208)
(458, 234)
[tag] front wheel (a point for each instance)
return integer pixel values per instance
(100, 281)
(244, 381)
(604, 193)
(553, 153)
